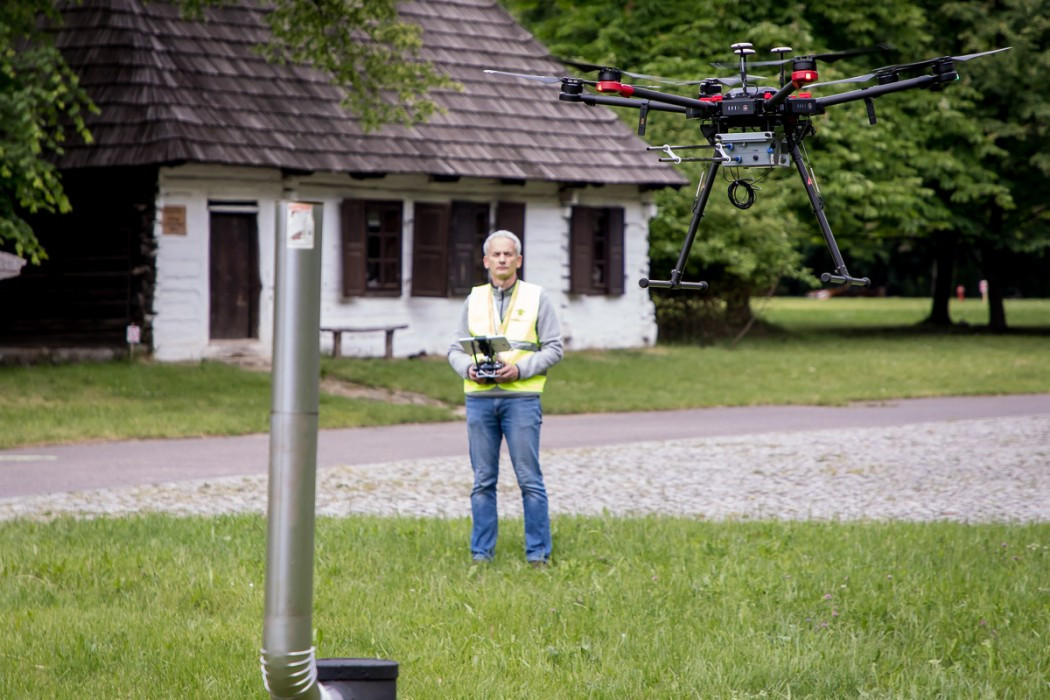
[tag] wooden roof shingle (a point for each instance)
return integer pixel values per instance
(175, 91)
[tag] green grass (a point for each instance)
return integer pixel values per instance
(893, 313)
(162, 607)
(828, 352)
(115, 400)
(820, 352)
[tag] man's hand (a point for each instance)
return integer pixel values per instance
(506, 374)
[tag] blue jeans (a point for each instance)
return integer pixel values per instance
(489, 421)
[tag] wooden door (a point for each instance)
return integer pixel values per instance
(234, 275)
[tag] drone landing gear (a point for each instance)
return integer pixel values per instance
(699, 204)
(840, 276)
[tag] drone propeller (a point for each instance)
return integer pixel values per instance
(594, 67)
(829, 57)
(548, 79)
(728, 82)
(905, 67)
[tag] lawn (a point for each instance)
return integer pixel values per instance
(162, 607)
(818, 352)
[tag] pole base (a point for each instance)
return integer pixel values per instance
(358, 679)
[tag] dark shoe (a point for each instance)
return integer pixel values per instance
(538, 563)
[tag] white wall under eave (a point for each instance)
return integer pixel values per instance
(182, 303)
(182, 307)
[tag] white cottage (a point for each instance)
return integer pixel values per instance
(199, 138)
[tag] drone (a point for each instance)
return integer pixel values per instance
(753, 125)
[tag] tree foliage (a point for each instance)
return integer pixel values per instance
(41, 102)
(994, 156)
(368, 51)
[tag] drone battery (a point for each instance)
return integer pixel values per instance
(797, 105)
(738, 107)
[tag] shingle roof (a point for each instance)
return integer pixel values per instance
(174, 91)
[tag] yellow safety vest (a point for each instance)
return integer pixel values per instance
(518, 325)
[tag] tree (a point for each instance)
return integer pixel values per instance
(40, 102)
(368, 52)
(996, 185)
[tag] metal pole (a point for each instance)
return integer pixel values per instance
(288, 662)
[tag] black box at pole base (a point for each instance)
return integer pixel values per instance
(359, 679)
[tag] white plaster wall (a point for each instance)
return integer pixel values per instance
(181, 300)
(182, 297)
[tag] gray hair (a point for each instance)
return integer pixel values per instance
(502, 234)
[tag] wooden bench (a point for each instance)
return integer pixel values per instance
(337, 336)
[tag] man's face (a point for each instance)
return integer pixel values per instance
(502, 261)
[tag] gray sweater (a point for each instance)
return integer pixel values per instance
(548, 334)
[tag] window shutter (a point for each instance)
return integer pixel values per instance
(352, 215)
(467, 231)
(430, 250)
(581, 245)
(615, 268)
(510, 216)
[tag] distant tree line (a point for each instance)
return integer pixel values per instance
(955, 179)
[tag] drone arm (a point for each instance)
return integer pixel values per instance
(656, 96)
(781, 95)
(592, 100)
(878, 90)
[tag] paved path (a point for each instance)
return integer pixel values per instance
(976, 459)
(61, 468)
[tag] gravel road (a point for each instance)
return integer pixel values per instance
(980, 470)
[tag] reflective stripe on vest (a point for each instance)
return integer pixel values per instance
(518, 325)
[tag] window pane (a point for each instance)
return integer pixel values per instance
(383, 247)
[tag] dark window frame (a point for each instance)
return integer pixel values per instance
(373, 247)
(447, 240)
(596, 251)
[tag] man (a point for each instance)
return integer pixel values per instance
(508, 404)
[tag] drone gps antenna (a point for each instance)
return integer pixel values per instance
(743, 50)
(780, 51)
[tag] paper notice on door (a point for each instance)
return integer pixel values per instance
(300, 225)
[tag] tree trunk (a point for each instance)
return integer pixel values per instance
(992, 266)
(738, 305)
(945, 250)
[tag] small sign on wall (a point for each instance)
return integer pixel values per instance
(173, 220)
(300, 225)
